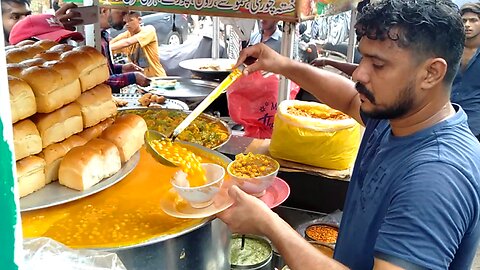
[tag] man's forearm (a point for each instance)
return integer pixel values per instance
(297, 252)
(120, 44)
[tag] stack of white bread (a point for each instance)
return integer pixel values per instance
(60, 105)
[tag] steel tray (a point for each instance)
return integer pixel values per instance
(185, 88)
(55, 194)
(203, 115)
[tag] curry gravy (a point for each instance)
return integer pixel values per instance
(125, 214)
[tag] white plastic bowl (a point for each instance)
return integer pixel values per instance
(255, 186)
(202, 196)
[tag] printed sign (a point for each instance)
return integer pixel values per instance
(229, 8)
(284, 10)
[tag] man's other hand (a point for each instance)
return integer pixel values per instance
(141, 79)
(68, 17)
(319, 62)
(267, 59)
(131, 67)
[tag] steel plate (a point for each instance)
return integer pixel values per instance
(133, 103)
(55, 194)
(203, 115)
(225, 64)
(185, 88)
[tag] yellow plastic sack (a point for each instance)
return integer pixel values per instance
(331, 144)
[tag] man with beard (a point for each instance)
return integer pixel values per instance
(120, 75)
(413, 200)
(466, 86)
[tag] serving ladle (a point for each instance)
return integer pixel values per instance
(152, 135)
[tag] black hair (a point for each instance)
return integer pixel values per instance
(470, 7)
(361, 5)
(428, 28)
(27, 2)
(134, 13)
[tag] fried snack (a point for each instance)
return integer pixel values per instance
(149, 98)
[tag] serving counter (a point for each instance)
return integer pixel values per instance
(127, 219)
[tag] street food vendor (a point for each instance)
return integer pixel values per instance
(414, 196)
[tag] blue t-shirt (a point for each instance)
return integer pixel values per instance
(414, 200)
(466, 92)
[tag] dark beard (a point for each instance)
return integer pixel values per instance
(399, 109)
(116, 26)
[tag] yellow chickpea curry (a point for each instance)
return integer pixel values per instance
(253, 165)
(204, 131)
(188, 162)
(317, 113)
(125, 214)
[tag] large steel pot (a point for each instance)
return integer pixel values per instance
(201, 247)
(204, 247)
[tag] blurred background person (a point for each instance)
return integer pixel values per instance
(466, 85)
(140, 44)
(15, 10)
(43, 27)
(268, 34)
(120, 75)
(12, 12)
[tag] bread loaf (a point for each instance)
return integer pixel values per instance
(110, 154)
(91, 64)
(33, 62)
(84, 166)
(26, 139)
(17, 55)
(49, 55)
(45, 44)
(59, 125)
(30, 175)
(25, 43)
(22, 100)
(61, 48)
(97, 105)
(54, 154)
(15, 69)
(22, 53)
(96, 131)
(79, 168)
(127, 134)
(54, 85)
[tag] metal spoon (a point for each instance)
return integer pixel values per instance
(243, 242)
(152, 135)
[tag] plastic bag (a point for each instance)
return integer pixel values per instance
(46, 253)
(252, 102)
(331, 144)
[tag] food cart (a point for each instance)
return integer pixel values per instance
(177, 250)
